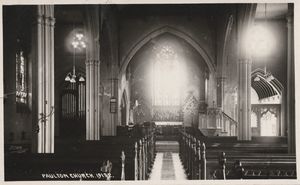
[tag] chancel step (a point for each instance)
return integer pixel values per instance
(167, 146)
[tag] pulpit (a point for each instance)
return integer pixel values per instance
(210, 122)
(214, 122)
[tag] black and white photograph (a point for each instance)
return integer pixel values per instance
(156, 92)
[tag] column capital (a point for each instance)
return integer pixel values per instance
(221, 78)
(290, 15)
(51, 21)
(206, 74)
(45, 20)
(289, 19)
(113, 79)
(245, 61)
(39, 19)
(92, 62)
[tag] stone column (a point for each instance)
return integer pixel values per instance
(246, 14)
(290, 108)
(92, 31)
(92, 100)
(43, 44)
(244, 99)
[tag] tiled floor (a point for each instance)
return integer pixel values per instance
(167, 166)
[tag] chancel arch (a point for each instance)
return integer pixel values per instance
(165, 73)
(167, 29)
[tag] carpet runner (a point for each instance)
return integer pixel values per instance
(167, 170)
(167, 165)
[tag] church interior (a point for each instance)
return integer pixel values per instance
(149, 92)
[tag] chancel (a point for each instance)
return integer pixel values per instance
(149, 92)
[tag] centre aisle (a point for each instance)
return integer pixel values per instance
(167, 166)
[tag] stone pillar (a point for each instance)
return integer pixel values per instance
(244, 100)
(92, 31)
(246, 14)
(290, 108)
(92, 100)
(43, 41)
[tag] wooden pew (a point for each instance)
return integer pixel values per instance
(245, 166)
(192, 154)
(131, 159)
(202, 162)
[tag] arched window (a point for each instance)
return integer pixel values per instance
(167, 78)
(21, 76)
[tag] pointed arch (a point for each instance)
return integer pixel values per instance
(226, 40)
(167, 29)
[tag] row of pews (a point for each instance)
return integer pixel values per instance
(111, 158)
(227, 158)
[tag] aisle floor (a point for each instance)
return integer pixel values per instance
(167, 166)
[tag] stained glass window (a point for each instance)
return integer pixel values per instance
(167, 78)
(21, 83)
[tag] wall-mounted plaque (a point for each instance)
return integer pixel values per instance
(113, 105)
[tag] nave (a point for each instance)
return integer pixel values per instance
(147, 155)
(149, 92)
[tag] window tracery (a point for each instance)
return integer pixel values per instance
(166, 76)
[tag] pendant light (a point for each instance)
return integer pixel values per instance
(78, 43)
